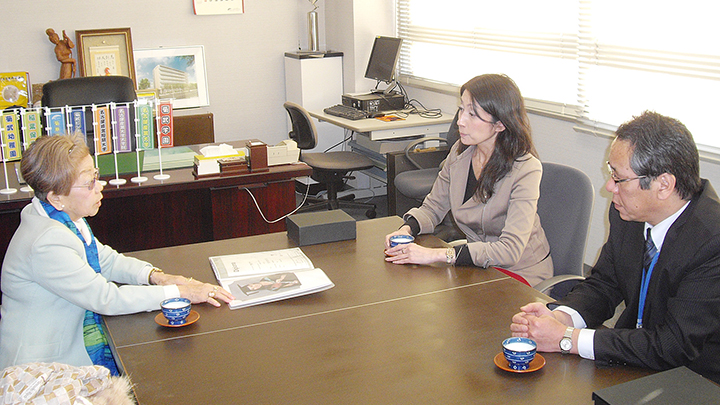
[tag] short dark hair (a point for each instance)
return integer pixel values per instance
(660, 145)
(499, 96)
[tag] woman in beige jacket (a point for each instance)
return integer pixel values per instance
(491, 184)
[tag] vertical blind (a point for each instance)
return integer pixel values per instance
(601, 61)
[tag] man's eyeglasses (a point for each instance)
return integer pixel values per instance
(618, 180)
(90, 185)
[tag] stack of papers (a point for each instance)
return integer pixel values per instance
(261, 277)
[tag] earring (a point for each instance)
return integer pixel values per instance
(62, 207)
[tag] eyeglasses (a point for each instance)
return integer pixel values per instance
(618, 180)
(90, 185)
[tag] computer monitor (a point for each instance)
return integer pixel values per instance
(383, 58)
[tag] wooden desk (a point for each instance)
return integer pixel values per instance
(384, 334)
(376, 129)
(177, 211)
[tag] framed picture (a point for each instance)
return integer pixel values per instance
(175, 73)
(105, 52)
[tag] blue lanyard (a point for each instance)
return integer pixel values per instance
(644, 289)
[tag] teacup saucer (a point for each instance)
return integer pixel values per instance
(535, 365)
(192, 318)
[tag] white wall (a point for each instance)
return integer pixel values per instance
(243, 52)
(351, 27)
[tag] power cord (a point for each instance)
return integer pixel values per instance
(347, 138)
(307, 191)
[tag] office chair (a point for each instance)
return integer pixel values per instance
(416, 184)
(84, 91)
(565, 206)
(88, 90)
(329, 168)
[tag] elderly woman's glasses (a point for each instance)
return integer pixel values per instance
(617, 179)
(90, 185)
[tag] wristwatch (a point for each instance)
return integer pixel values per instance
(566, 342)
(450, 255)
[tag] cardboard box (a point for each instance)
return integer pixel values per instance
(311, 228)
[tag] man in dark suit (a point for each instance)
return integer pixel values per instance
(670, 283)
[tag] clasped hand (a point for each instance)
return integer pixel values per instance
(537, 322)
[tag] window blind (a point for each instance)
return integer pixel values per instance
(648, 55)
(599, 61)
(454, 40)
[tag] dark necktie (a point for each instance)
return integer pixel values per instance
(650, 251)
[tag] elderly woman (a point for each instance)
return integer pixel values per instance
(57, 279)
(491, 184)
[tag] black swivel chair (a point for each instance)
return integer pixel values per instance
(84, 91)
(329, 168)
(88, 90)
(416, 184)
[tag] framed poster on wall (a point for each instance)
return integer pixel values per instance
(175, 73)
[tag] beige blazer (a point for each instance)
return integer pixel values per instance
(506, 231)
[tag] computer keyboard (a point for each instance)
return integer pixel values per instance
(343, 111)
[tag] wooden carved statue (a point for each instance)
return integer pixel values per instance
(63, 52)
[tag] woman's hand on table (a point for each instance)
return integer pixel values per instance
(404, 230)
(196, 291)
(412, 253)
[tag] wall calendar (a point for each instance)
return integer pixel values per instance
(215, 7)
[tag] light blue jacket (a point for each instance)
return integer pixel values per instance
(47, 284)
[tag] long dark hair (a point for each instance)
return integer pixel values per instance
(499, 96)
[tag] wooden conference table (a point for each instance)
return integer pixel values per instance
(384, 334)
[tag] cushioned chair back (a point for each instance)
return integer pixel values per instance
(303, 128)
(453, 133)
(88, 90)
(565, 206)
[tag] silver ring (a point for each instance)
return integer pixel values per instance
(211, 294)
(215, 288)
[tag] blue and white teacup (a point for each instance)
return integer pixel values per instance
(176, 310)
(519, 352)
(400, 239)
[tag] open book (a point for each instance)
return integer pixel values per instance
(260, 277)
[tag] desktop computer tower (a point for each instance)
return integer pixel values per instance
(374, 102)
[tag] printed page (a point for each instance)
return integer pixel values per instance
(248, 264)
(260, 289)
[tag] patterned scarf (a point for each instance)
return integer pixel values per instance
(95, 341)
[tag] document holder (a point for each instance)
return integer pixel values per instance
(677, 386)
